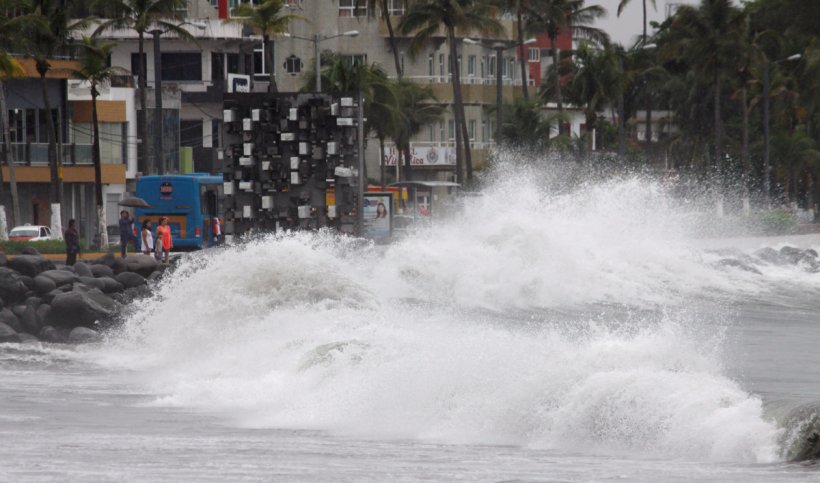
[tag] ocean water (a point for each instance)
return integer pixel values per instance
(550, 331)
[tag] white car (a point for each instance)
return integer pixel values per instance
(31, 233)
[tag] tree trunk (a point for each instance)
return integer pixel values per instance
(408, 162)
(95, 156)
(381, 158)
(523, 57)
(9, 157)
(392, 38)
(143, 125)
(458, 104)
(271, 71)
(718, 140)
(644, 23)
(649, 99)
(554, 49)
(56, 187)
(744, 150)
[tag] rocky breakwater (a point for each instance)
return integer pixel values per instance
(43, 301)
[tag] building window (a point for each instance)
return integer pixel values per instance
(190, 133)
(395, 8)
(260, 60)
(348, 8)
(233, 63)
(441, 131)
(441, 65)
(432, 133)
(451, 130)
(356, 59)
(293, 65)
(182, 66)
(217, 67)
(491, 65)
(481, 62)
(16, 125)
(216, 133)
(484, 136)
(430, 69)
(534, 54)
(471, 66)
(135, 64)
(471, 128)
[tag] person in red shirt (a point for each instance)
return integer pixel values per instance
(164, 242)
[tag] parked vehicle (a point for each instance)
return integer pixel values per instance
(31, 233)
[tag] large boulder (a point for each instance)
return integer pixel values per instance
(78, 308)
(30, 265)
(3, 260)
(12, 287)
(60, 277)
(92, 282)
(80, 335)
(7, 317)
(141, 264)
(130, 279)
(7, 334)
(27, 281)
(43, 313)
(43, 285)
(791, 254)
(29, 250)
(108, 260)
(101, 270)
(111, 285)
(48, 297)
(52, 334)
(119, 266)
(83, 270)
(28, 318)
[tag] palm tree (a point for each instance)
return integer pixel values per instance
(95, 70)
(385, 12)
(267, 20)
(623, 3)
(424, 19)
(525, 126)
(594, 82)
(47, 35)
(557, 16)
(417, 108)
(143, 16)
(516, 7)
(707, 39)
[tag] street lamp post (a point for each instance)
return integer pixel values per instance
(767, 168)
(316, 39)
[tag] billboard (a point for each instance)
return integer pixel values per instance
(422, 156)
(378, 215)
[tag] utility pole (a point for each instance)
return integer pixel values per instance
(159, 159)
(362, 179)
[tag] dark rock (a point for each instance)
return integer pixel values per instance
(731, 262)
(154, 276)
(67, 268)
(52, 334)
(26, 338)
(3, 260)
(119, 266)
(47, 298)
(7, 334)
(770, 255)
(83, 334)
(810, 253)
(141, 264)
(92, 282)
(108, 260)
(27, 316)
(111, 285)
(83, 270)
(130, 279)
(30, 265)
(791, 254)
(76, 308)
(101, 271)
(27, 281)
(12, 287)
(136, 293)
(29, 250)
(43, 313)
(43, 285)
(33, 301)
(60, 277)
(7, 317)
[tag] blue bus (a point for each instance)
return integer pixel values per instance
(190, 201)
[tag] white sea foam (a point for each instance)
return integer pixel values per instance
(489, 328)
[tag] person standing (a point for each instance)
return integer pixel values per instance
(72, 243)
(164, 240)
(126, 231)
(216, 226)
(147, 238)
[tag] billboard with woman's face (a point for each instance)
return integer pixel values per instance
(378, 215)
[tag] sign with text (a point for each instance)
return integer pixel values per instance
(422, 156)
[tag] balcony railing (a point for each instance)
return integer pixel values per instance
(36, 154)
(470, 80)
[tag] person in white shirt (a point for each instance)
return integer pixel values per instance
(147, 238)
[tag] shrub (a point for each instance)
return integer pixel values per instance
(45, 247)
(772, 222)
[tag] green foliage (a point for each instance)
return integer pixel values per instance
(771, 222)
(11, 247)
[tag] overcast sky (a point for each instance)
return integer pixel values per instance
(629, 26)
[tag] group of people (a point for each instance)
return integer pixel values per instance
(160, 245)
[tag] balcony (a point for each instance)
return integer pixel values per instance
(474, 90)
